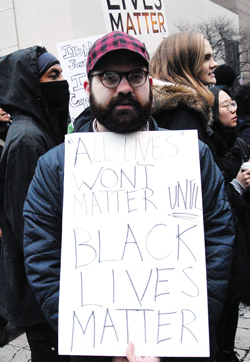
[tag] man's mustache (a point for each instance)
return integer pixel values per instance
(123, 99)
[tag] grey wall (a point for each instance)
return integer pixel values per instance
(24, 23)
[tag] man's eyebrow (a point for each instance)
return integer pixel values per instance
(51, 70)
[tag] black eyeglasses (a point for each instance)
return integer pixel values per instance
(111, 79)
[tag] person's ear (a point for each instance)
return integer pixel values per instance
(86, 87)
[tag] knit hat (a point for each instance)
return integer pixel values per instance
(116, 40)
(45, 60)
(225, 75)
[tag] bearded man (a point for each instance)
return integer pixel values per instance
(119, 87)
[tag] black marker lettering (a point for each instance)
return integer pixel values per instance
(159, 233)
(184, 312)
(146, 287)
(83, 182)
(161, 325)
(146, 198)
(130, 232)
(180, 240)
(84, 254)
(111, 325)
(75, 318)
(197, 289)
(158, 280)
(81, 150)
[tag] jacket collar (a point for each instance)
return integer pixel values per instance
(169, 96)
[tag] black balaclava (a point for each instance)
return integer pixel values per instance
(56, 97)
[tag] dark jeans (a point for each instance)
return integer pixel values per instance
(227, 326)
(43, 342)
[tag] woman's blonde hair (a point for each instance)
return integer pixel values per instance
(179, 59)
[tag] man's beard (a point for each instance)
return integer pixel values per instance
(122, 120)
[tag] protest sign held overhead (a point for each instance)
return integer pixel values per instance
(144, 19)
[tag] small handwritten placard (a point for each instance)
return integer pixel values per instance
(133, 257)
(73, 56)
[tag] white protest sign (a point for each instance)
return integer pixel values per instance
(133, 258)
(73, 58)
(144, 19)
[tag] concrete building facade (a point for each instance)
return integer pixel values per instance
(24, 23)
(239, 7)
(242, 9)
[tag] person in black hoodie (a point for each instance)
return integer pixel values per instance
(226, 77)
(242, 97)
(36, 95)
(230, 152)
(4, 126)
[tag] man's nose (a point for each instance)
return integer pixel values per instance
(124, 86)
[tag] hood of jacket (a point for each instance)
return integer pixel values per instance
(21, 93)
(169, 96)
(20, 84)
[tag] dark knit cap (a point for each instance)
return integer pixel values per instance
(225, 75)
(115, 40)
(45, 60)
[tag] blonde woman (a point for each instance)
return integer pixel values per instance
(182, 68)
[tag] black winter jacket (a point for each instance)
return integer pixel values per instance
(229, 153)
(244, 124)
(42, 244)
(229, 160)
(31, 134)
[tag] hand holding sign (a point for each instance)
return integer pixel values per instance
(132, 358)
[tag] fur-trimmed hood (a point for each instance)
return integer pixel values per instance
(169, 96)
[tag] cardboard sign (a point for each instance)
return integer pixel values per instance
(144, 19)
(133, 257)
(73, 58)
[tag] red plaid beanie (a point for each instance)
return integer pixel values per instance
(114, 41)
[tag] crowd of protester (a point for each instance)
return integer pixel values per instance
(181, 87)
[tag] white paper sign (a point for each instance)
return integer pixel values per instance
(144, 19)
(133, 259)
(73, 58)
